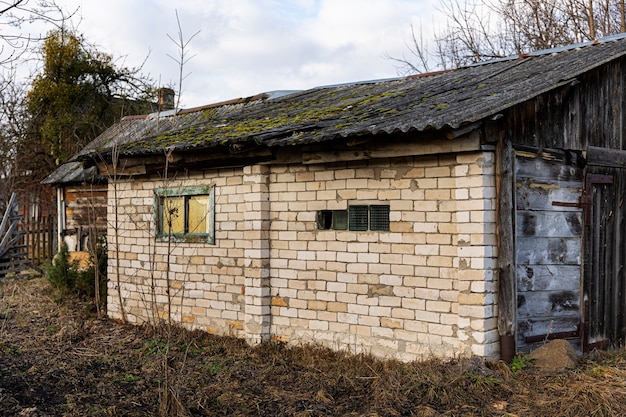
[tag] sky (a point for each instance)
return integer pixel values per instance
(245, 47)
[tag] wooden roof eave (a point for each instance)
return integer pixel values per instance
(218, 157)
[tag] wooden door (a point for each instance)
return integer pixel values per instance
(603, 288)
(548, 242)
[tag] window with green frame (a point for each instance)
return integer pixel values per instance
(185, 213)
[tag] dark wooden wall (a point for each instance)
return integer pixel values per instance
(85, 213)
(86, 206)
(587, 112)
(604, 256)
(589, 273)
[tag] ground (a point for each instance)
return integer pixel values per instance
(62, 360)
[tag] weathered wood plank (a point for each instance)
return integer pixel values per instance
(548, 277)
(549, 223)
(548, 166)
(548, 251)
(534, 327)
(14, 263)
(106, 170)
(544, 304)
(470, 142)
(505, 174)
(606, 157)
(535, 195)
(8, 214)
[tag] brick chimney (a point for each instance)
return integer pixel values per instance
(166, 99)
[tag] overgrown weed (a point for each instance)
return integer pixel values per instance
(114, 369)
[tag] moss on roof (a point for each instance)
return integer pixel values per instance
(256, 121)
(443, 100)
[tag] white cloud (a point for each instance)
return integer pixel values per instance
(249, 46)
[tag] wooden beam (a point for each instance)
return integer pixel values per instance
(606, 157)
(505, 178)
(417, 147)
(106, 170)
(461, 131)
(220, 154)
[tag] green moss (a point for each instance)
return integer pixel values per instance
(222, 125)
(238, 129)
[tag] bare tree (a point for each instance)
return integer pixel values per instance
(183, 57)
(479, 30)
(24, 23)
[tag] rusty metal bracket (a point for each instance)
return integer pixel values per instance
(566, 204)
(585, 199)
(552, 336)
(590, 181)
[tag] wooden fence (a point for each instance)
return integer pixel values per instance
(39, 239)
(24, 245)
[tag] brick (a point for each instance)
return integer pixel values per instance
(380, 311)
(402, 313)
(436, 329)
(358, 309)
(317, 305)
(238, 325)
(472, 299)
(360, 330)
(369, 321)
(327, 316)
(326, 296)
(374, 290)
(389, 301)
(427, 250)
(443, 261)
(337, 307)
(438, 306)
(280, 302)
(318, 325)
(427, 316)
(391, 323)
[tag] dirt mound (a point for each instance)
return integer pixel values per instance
(556, 355)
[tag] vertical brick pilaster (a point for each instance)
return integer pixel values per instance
(477, 252)
(257, 254)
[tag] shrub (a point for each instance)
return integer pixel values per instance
(66, 277)
(62, 273)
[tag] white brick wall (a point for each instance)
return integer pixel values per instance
(425, 288)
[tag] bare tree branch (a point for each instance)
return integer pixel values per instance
(182, 57)
(478, 30)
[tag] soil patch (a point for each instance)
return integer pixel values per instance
(60, 360)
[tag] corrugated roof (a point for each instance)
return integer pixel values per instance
(70, 172)
(446, 99)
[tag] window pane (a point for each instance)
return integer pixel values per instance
(173, 215)
(340, 219)
(199, 209)
(358, 218)
(379, 218)
(324, 219)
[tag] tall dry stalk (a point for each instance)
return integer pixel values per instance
(112, 171)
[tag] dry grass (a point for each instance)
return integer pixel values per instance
(61, 361)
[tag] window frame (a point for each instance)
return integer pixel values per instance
(355, 218)
(160, 194)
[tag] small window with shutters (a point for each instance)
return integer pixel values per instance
(358, 218)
